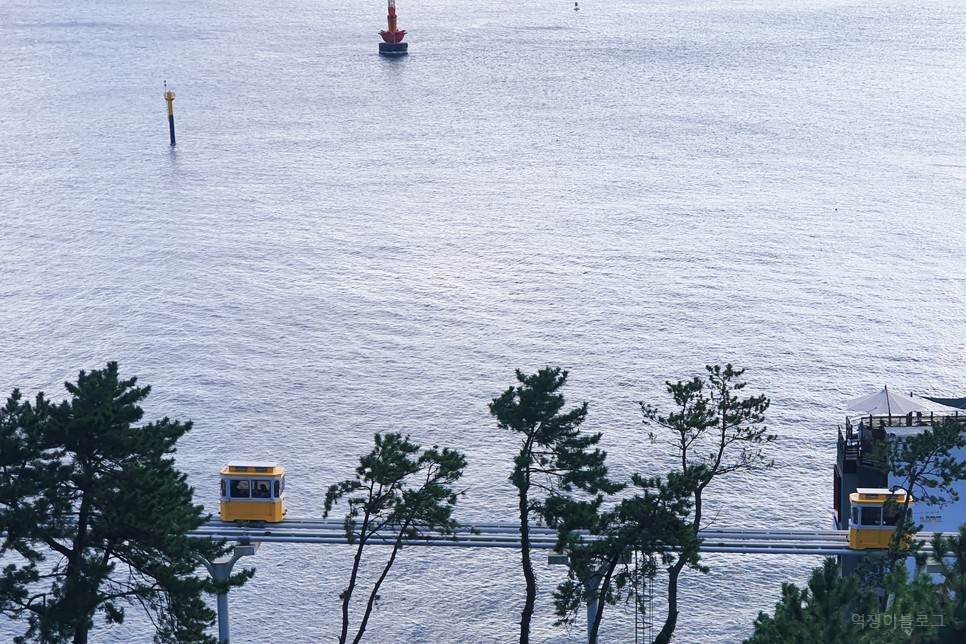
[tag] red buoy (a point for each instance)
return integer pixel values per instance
(392, 38)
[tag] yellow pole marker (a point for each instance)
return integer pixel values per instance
(169, 97)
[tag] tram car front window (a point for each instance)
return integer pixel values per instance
(239, 489)
(261, 489)
(871, 516)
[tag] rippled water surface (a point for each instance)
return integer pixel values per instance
(342, 244)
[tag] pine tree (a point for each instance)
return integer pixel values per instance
(928, 466)
(821, 612)
(554, 464)
(96, 516)
(399, 494)
(715, 432)
(616, 557)
(950, 554)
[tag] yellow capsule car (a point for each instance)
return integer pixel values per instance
(253, 492)
(875, 513)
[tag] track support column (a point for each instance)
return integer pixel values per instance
(221, 571)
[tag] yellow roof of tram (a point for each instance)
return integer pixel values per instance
(877, 496)
(250, 468)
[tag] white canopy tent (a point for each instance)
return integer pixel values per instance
(888, 403)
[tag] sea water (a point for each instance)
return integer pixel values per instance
(342, 244)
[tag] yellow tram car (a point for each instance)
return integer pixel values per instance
(875, 513)
(253, 492)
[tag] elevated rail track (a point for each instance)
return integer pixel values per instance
(507, 535)
(826, 543)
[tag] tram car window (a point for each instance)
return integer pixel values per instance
(261, 489)
(890, 513)
(239, 489)
(253, 492)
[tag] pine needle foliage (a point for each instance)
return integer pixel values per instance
(559, 472)
(617, 558)
(400, 493)
(820, 612)
(928, 466)
(715, 431)
(96, 516)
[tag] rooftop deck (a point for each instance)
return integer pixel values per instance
(861, 441)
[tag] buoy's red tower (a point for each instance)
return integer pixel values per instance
(392, 44)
